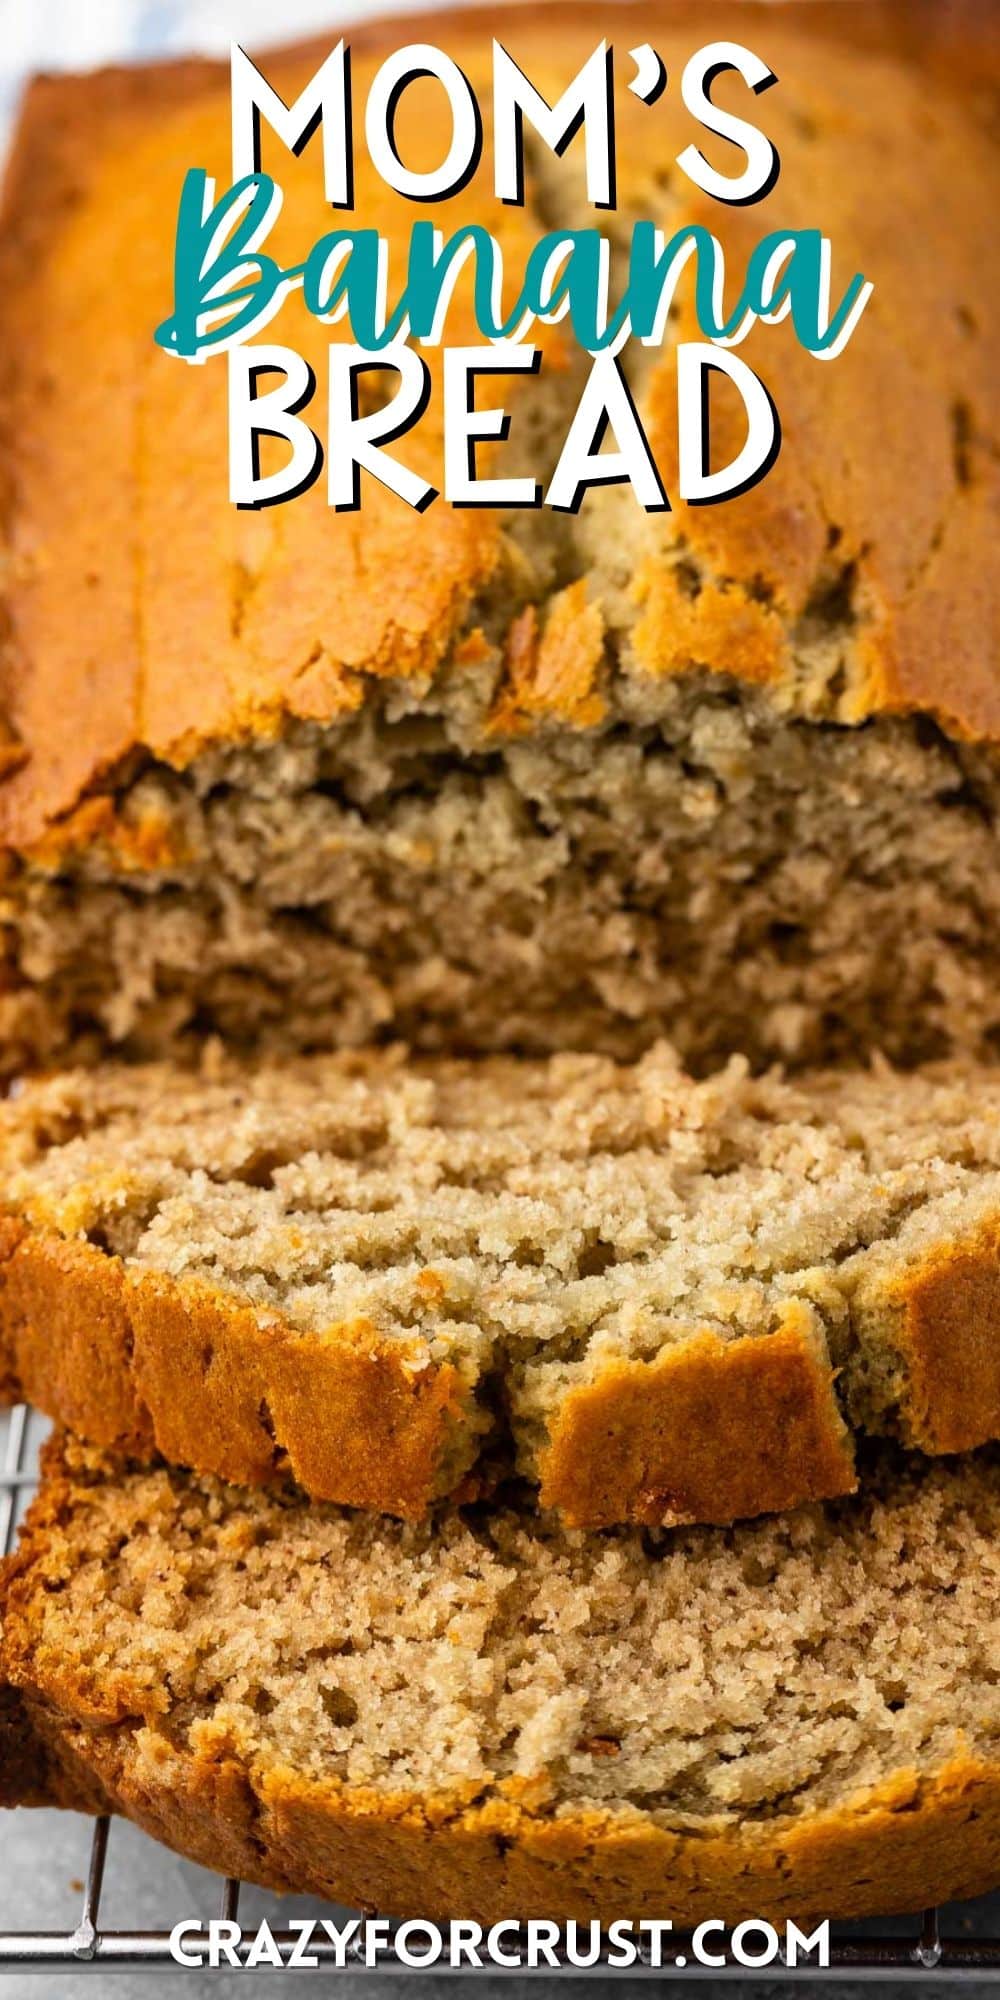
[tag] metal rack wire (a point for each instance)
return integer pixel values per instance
(88, 1947)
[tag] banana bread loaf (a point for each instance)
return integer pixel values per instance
(511, 781)
(668, 1300)
(488, 1719)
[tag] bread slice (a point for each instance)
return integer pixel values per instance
(669, 1300)
(524, 780)
(490, 1718)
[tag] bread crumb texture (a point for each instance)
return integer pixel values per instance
(490, 1716)
(512, 780)
(660, 1299)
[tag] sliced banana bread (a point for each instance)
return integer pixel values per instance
(489, 1718)
(669, 1300)
(526, 780)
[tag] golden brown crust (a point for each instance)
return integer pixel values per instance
(34, 1767)
(711, 1430)
(907, 510)
(948, 1334)
(901, 1846)
(157, 1365)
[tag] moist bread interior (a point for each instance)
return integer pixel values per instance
(705, 1678)
(705, 869)
(532, 1224)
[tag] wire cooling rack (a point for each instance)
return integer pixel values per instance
(931, 1947)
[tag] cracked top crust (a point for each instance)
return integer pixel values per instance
(143, 612)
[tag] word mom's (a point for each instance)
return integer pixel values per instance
(586, 106)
